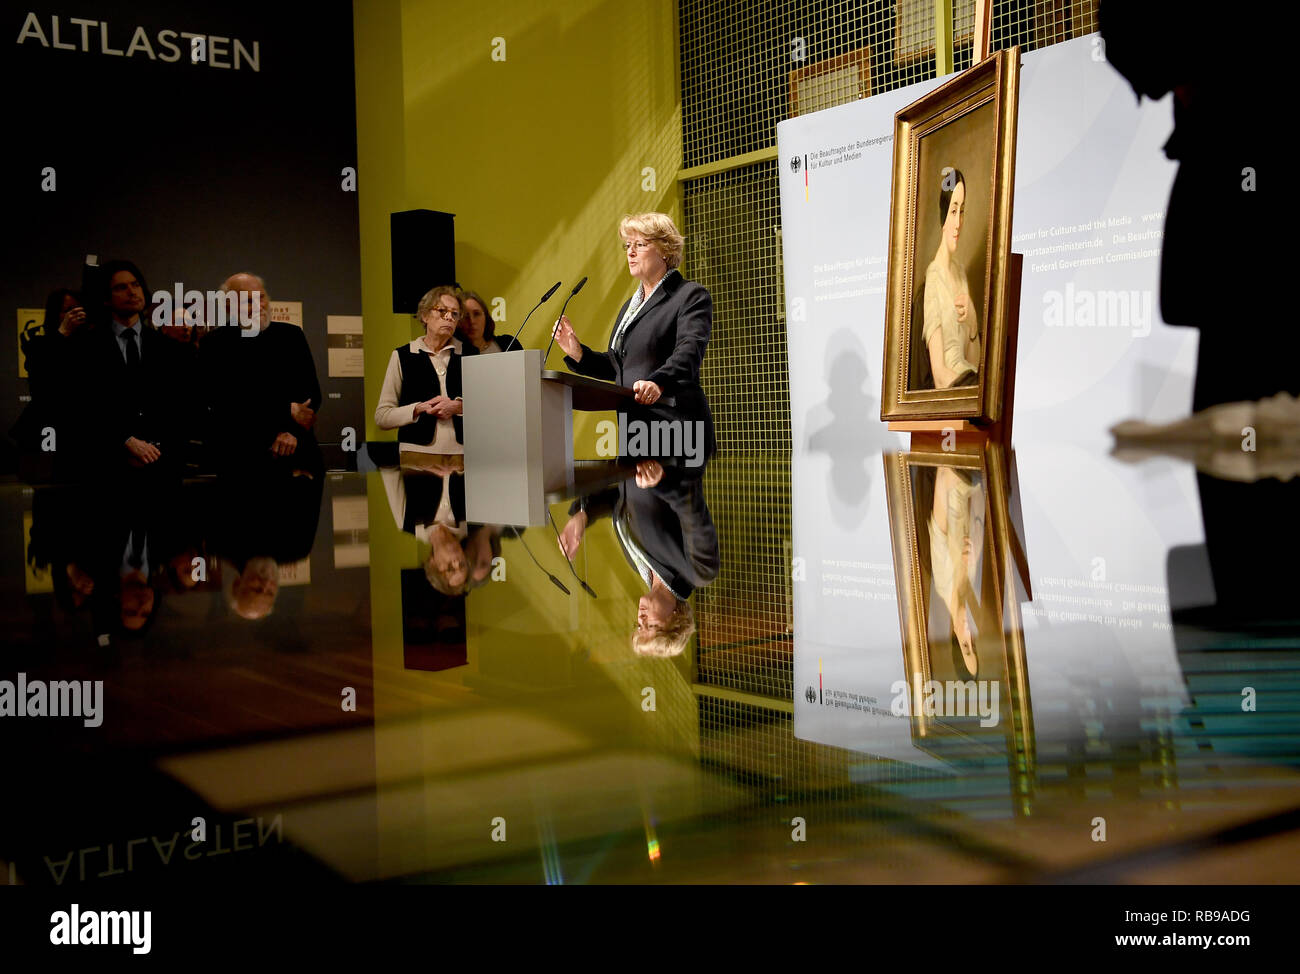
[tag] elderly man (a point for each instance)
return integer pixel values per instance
(260, 387)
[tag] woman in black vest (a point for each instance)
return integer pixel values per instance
(421, 398)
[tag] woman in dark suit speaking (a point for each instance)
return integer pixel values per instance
(661, 331)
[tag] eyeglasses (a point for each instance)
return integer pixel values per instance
(635, 245)
(447, 313)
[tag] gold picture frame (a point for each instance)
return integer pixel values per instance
(914, 480)
(950, 308)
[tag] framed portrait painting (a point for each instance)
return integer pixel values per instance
(951, 290)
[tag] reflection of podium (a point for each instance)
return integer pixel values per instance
(518, 425)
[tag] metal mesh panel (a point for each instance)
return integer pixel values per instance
(743, 618)
(733, 249)
(738, 57)
(1037, 23)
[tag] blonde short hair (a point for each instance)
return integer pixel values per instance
(672, 638)
(431, 299)
(659, 229)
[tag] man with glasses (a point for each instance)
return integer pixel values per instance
(421, 396)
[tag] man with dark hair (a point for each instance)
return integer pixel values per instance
(136, 381)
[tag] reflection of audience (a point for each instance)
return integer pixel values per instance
(421, 394)
(666, 532)
(477, 330)
(262, 520)
(951, 330)
(262, 391)
(427, 498)
(250, 588)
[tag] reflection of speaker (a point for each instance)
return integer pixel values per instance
(424, 255)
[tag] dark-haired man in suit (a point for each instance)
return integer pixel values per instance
(136, 384)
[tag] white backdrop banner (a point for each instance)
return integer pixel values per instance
(1091, 186)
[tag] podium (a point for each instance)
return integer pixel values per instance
(518, 427)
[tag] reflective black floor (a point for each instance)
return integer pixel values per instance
(347, 681)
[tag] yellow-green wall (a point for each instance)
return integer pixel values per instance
(538, 155)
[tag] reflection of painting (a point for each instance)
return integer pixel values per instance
(958, 599)
(957, 581)
(947, 302)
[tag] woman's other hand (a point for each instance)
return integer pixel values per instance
(567, 339)
(646, 391)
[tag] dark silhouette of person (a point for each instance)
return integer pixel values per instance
(1211, 259)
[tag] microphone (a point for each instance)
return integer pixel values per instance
(576, 288)
(545, 297)
(581, 581)
(558, 584)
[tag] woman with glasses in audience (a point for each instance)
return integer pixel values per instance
(421, 397)
(661, 332)
(477, 330)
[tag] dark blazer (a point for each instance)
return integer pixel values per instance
(665, 344)
(247, 386)
(158, 405)
(670, 523)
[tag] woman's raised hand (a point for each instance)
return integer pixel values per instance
(567, 338)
